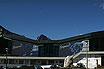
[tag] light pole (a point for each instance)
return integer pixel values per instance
(87, 45)
(6, 56)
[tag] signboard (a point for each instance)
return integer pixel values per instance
(24, 49)
(68, 49)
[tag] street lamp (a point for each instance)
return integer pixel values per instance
(87, 45)
(6, 56)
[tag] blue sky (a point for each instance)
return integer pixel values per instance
(57, 19)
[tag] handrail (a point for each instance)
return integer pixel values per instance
(90, 52)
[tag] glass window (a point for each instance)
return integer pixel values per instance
(21, 61)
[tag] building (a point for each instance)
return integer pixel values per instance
(51, 51)
(24, 51)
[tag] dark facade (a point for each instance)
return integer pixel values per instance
(45, 47)
(97, 41)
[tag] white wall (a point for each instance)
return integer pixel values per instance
(92, 61)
